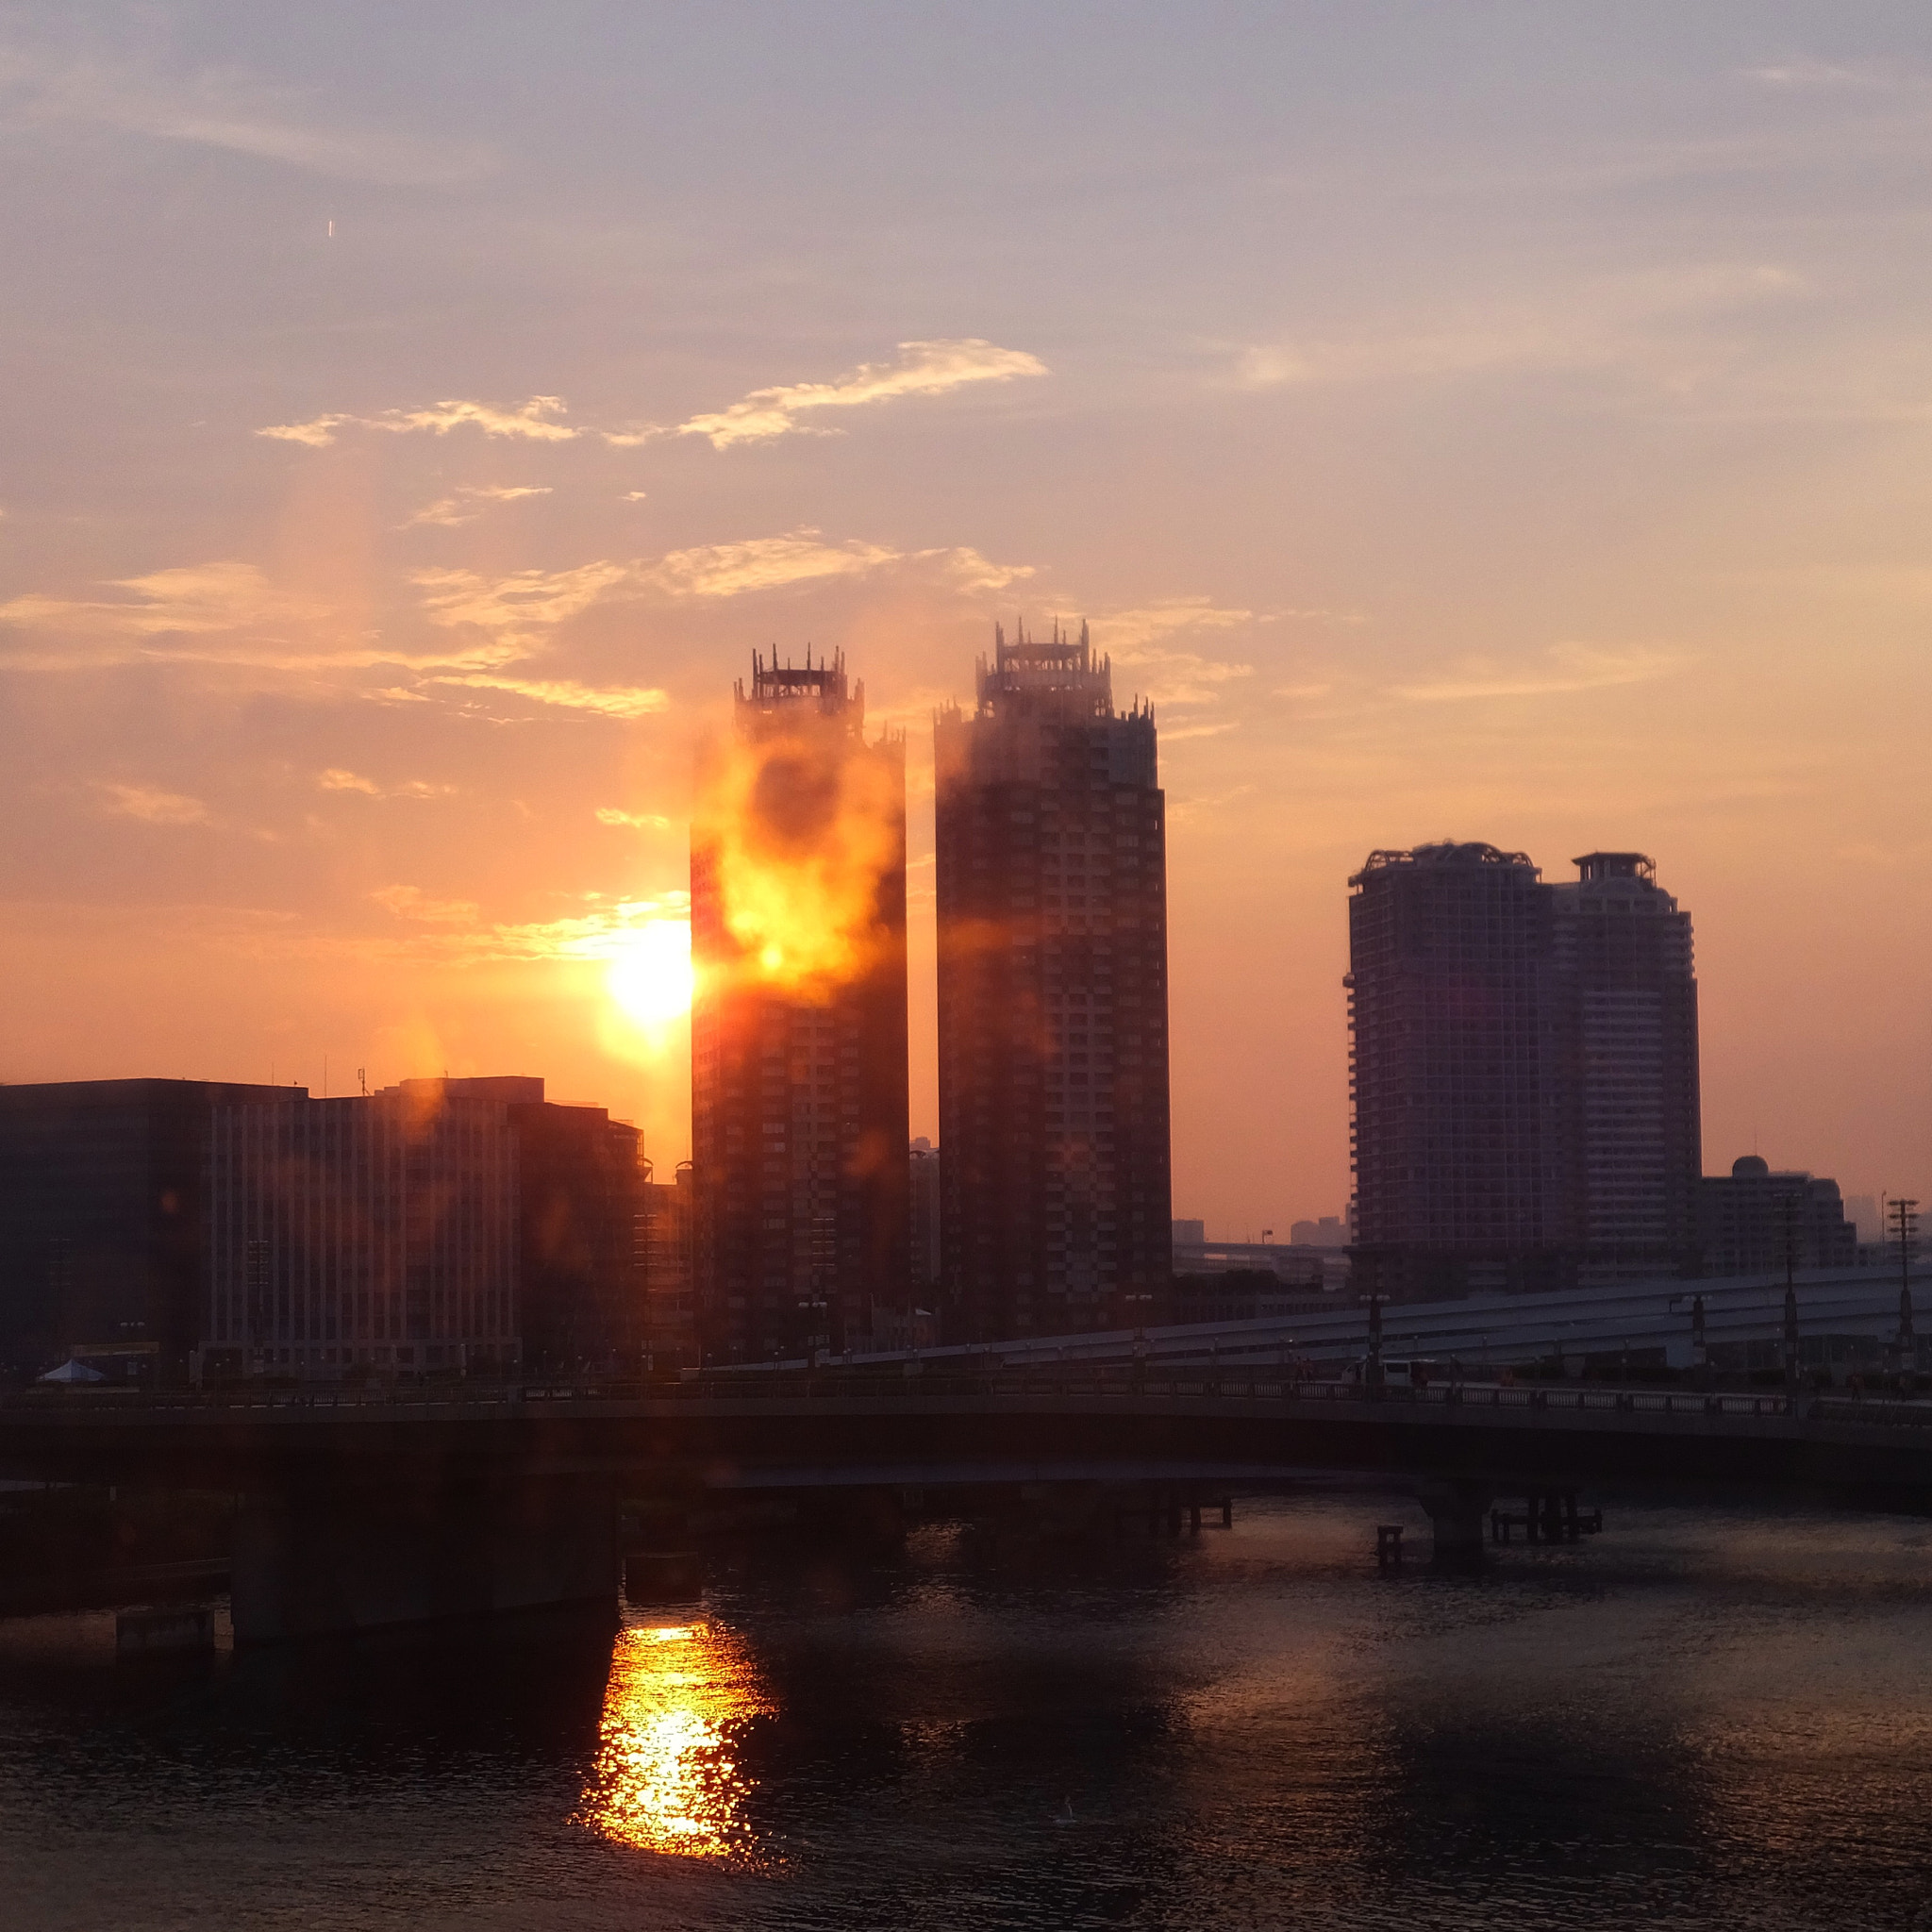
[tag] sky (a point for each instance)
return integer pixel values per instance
(1489, 422)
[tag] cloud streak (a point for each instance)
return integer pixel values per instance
(923, 369)
(465, 505)
(231, 110)
(532, 421)
(1574, 668)
(155, 806)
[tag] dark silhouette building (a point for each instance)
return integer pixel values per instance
(581, 1240)
(103, 1228)
(375, 1235)
(926, 1168)
(670, 1332)
(1752, 1217)
(1523, 1071)
(798, 1022)
(1051, 845)
(1624, 998)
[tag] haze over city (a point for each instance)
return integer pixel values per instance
(1477, 424)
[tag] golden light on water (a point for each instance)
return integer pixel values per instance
(666, 1778)
(650, 977)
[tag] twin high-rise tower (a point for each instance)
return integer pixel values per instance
(1524, 1072)
(1051, 840)
(1052, 1010)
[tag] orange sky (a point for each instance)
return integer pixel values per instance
(1512, 430)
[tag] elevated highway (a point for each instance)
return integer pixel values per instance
(366, 1511)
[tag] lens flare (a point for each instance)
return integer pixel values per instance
(800, 836)
(650, 978)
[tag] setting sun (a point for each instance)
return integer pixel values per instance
(651, 977)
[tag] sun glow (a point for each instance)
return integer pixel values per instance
(650, 977)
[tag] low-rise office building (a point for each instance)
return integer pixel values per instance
(1752, 1216)
(373, 1235)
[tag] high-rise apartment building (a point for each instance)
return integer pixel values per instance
(799, 1117)
(1051, 834)
(1624, 999)
(1524, 1072)
(925, 1171)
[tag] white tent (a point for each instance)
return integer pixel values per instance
(73, 1371)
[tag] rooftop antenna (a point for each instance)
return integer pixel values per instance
(362, 1080)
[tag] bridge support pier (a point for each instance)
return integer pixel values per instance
(1458, 1513)
(322, 1560)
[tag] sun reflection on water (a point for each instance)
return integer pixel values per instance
(666, 1778)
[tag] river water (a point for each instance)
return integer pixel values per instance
(1718, 1715)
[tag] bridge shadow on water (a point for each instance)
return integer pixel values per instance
(1709, 1716)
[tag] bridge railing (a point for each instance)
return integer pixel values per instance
(1287, 1391)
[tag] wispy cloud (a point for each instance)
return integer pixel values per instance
(534, 421)
(154, 805)
(225, 107)
(517, 609)
(338, 779)
(1138, 638)
(466, 504)
(1654, 321)
(610, 701)
(523, 607)
(923, 369)
(224, 610)
(1803, 75)
(411, 902)
(1571, 668)
(638, 821)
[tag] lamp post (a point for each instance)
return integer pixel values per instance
(1141, 1297)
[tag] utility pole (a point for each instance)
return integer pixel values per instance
(1788, 1203)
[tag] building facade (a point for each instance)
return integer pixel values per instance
(1753, 1220)
(103, 1223)
(1624, 998)
(580, 1240)
(799, 1116)
(927, 1215)
(371, 1235)
(671, 1323)
(1051, 878)
(1523, 1070)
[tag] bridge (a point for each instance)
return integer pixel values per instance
(364, 1511)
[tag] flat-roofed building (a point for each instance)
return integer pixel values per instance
(103, 1225)
(376, 1234)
